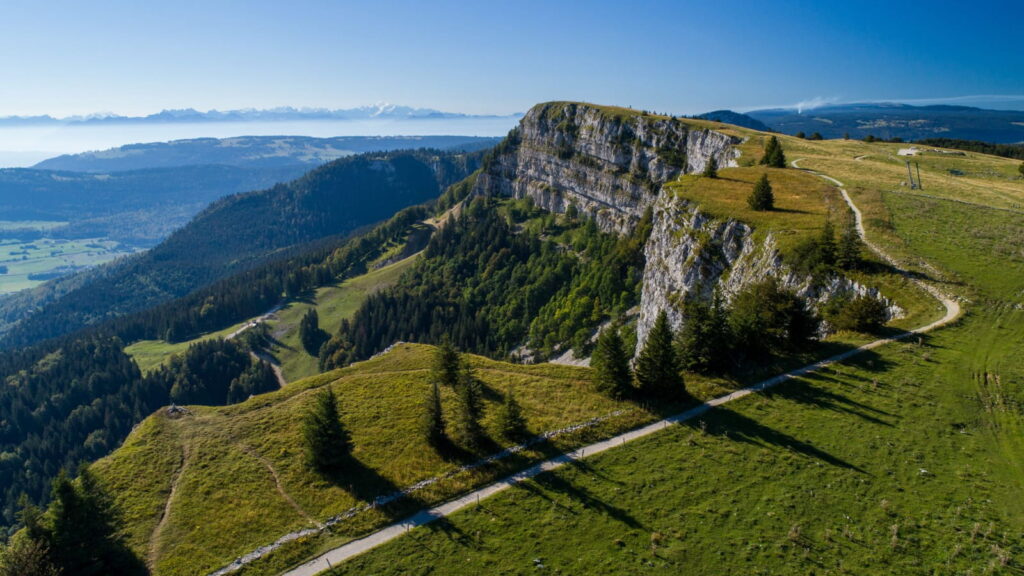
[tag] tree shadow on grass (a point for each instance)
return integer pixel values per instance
(725, 422)
(544, 484)
(803, 392)
(367, 485)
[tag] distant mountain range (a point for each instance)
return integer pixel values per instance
(287, 113)
(887, 120)
(252, 151)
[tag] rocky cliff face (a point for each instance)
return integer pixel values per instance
(690, 255)
(607, 162)
(610, 164)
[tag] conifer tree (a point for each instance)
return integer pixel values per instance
(612, 375)
(327, 443)
(711, 168)
(703, 342)
(773, 154)
(657, 368)
(467, 428)
(510, 421)
(849, 247)
(762, 198)
(432, 422)
(310, 334)
(1021, 169)
(80, 530)
(827, 243)
(447, 364)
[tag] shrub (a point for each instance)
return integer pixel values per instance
(859, 314)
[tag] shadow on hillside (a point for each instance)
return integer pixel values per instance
(367, 485)
(821, 397)
(789, 211)
(725, 422)
(545, 484)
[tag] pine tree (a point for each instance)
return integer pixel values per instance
(310, 334)
(800, 135)
(81, 531)
(612, 375)
(711, 168)
(657, 368)
(849, 247)
(1021, 169)
(468, 430)
(778, 157)
(432, 422)
(827, 243)
(447, 365)
(327, 443)
(761, 198)
(773, 154)
(703, 341)
(510, 421)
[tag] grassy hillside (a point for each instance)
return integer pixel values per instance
(235, 476)
(908, 460)
(333, 304)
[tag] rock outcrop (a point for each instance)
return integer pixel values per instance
(607, 162)
(690, 254)
(610, 163)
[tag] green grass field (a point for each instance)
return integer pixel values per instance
(904, 462)
(150, 354)
(49, 257)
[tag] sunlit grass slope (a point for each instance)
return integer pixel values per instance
(239, 479)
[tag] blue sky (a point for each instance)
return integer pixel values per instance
(500, 57)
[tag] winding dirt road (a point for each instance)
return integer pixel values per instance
(342, 553)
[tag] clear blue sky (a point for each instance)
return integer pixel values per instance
(482, 56)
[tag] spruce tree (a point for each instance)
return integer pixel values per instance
(310, 334)
(327, 443)
(467, 428)
(849, 248)
(612, 375)
(510, 421)
(827, 244)
(657, 367)
(447, 365)
(711, 168)
(769, 149)
(762, 198)
(432, 423)
(81, 530)
(778, 157)
(703, 341)
(773, 154)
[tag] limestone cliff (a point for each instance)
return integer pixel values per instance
(690, 254)
(608, 162)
